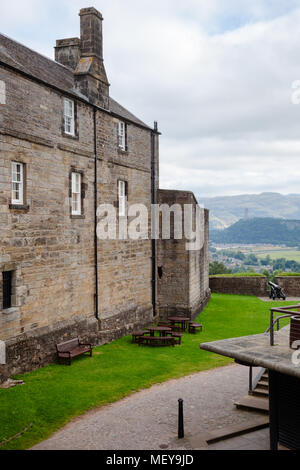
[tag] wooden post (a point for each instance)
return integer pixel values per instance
(180, 419)
(273, 404)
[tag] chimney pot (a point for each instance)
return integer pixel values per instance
(91, 32)
(90, 11)
(67, 52)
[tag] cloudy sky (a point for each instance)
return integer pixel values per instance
(217, 76)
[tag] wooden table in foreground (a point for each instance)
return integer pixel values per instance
(184, 321)
(160, 329)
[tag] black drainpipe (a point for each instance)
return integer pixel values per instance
(95, 213)
(153, 201)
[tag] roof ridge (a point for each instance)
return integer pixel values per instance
(34, 51)
(52, 73)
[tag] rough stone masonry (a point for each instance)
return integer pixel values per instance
(57, 280)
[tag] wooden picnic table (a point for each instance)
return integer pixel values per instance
(184, 321)
(160, 329)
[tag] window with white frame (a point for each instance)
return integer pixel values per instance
(122, 135)
(69, 117)
(17, 183)
(122, 195)
(76, 193)
(2, 92)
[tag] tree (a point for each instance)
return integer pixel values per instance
(251, 259)
(267, 261)
(218, 268)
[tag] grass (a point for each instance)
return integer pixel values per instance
(54, 395)
(292, 255)
(238, 275)
(288, 274)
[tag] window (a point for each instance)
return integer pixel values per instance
(2, 92)
(122, 135)
(69, 117)
(7, 289)
(122, 193)
(76, 193)
(17, 183)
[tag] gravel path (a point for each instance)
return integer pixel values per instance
(147, 420)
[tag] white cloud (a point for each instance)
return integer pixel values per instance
(19, 11)
(216, 75)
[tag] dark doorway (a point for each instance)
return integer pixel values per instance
(7, 289)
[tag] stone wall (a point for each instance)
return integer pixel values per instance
(239, 285)
(182, 275)
(125, 266)
(51, 252)
(36, 348)
(289, 284)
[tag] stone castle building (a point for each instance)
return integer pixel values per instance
(65, 148)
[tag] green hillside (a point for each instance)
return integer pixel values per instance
(260, 230)
(226, 210)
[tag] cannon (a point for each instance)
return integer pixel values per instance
(276, 292)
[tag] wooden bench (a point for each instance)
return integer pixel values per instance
(165, 323)
(176, 328)
(177, 337)
(157, 340)
(73, 348)
(194, 327)
(136, 336)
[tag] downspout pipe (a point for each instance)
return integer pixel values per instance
(153, 201)
(95, 215)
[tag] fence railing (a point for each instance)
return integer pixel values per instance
(286, 313)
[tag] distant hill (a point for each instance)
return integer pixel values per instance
(225, 211)
(260, 230)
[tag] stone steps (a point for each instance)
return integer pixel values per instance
(262, 386)
(238, 430)
(253, 403)
(260, 394)
(264, 379)
(229, 432)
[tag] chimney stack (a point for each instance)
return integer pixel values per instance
(91, 33)
(85, 57)
(67, 52)
(90, 75)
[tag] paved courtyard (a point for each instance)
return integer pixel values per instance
(288, 299)
(148, 419)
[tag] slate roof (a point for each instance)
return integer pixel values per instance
(50, 72)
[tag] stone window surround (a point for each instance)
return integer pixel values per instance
(17, 299)
(126, 196)
(24, 206)
(122, 150)
(2, 92)
(76, 125)
(17, 178)
(76, 169)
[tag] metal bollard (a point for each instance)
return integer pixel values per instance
(180, 419)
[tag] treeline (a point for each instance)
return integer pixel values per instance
(260, 231)
(251, 259)
(278, 265)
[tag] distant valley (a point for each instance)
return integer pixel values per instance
(227, 210)
(259, 231)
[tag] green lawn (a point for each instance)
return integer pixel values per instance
(53, 395)
(293, 255)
